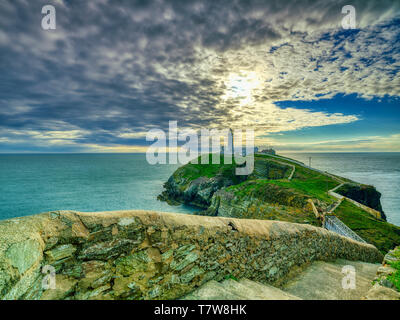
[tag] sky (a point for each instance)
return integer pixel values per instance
(113, 70)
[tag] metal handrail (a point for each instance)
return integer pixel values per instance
(334, 224)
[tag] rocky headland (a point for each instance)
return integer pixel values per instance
(282, 189)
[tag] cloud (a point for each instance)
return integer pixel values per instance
(389, 143)
(113, 70)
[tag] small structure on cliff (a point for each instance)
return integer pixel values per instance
(268, 151)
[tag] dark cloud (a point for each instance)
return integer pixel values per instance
(132, 65)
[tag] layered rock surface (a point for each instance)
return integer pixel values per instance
(238, 290)
(152, 255)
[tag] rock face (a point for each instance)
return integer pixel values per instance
(246, 289)
(152, 255)
(264, 169)
(265, 202)
(197, 192)
(190, 183)
(364, 194)
(387, 281)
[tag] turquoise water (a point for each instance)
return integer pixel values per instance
(32, 184)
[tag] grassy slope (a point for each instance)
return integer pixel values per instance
(383, 235)
(271, 202)
(305, 182)
(193, 171)
(395, 277)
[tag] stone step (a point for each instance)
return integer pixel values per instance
(320, 281)
(323, 281)
(268, 292)
(212, 290)
(238, 290)
(241, 289)
(363, 269)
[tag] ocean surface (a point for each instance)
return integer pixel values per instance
(31, 184)
(37, 183)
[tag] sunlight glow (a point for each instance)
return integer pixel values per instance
(242, 86)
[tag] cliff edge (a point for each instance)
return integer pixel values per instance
(282, 189)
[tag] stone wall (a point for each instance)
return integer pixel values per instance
(152, 255)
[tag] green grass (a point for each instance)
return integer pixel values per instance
(282, 159)
(396, 253)
(383, 235)
(271, 202)
(315, 188)
(193, 171)
(395, 277)
(268, 192)
(307, 181)
(230, 276)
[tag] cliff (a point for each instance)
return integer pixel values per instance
(152, 255)
(279, 189)
(196, 184)
(364, 194)
(256, 200)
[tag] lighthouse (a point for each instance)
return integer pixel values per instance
(231, 146)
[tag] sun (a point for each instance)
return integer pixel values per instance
(242, 86)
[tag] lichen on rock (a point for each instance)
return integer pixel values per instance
(156, 255)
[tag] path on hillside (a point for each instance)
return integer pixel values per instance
(305, 166)
(371, 211)
(288, 164)
(332, 192)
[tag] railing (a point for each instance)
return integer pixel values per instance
(334, 224)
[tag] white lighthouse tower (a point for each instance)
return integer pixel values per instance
(231, 146)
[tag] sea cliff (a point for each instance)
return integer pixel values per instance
(282, 189)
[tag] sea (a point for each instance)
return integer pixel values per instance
(34, 183)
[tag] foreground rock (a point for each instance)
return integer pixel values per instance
(387, 281)
(152, 255)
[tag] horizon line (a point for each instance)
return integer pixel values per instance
(278, 152)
